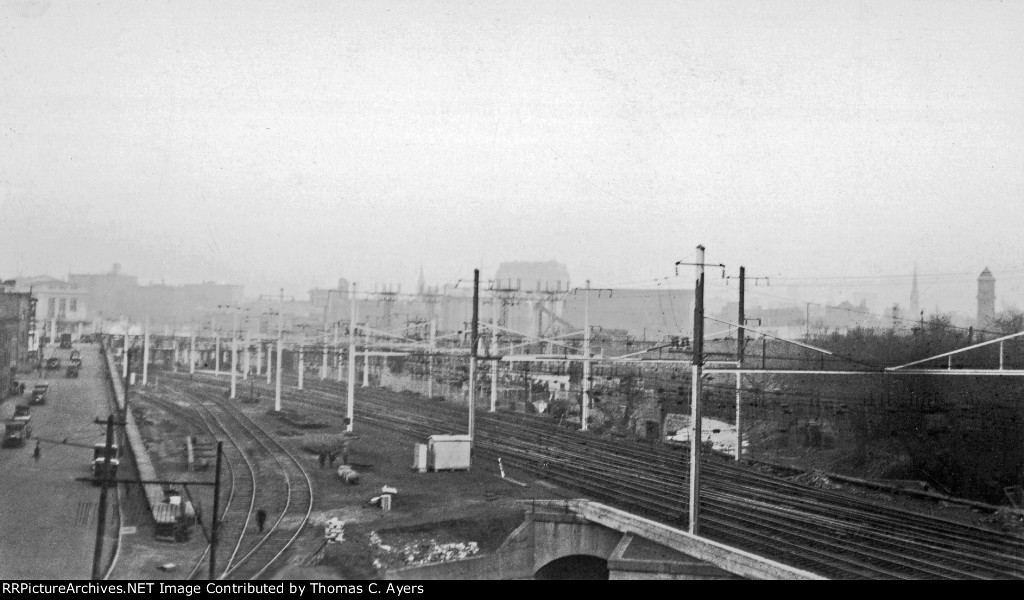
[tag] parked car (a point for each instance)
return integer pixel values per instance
(52, 364)
(16, 433)
(39, 393)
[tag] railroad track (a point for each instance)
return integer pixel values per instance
(821, 531)
(272, 480)
(229, 487)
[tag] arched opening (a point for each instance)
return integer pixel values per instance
(576, 566)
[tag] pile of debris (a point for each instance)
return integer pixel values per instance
(419, 552)
(1009, 520)
(334, 531)
(816, 480)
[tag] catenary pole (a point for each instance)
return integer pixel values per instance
(234, 353)
(302, 365)
(695, 407)
(430, 360)
(124, 365)
(740, 344)
(585, 410)
(280, 335)
(472, 353)
(350, 409)
(145, 354)
(494, 359)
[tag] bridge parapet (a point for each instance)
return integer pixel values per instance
(632, 547)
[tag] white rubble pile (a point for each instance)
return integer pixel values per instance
(421, 553)
(334, 530)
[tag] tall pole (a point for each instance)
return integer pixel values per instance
(124, 365)
(216, 354)
(337, 362)
(351, 360)
(302, 366)
(259, 358)
(101, 521)
(247, 356)
(270, 359)
(323, 364)
(472, 353)
(337, 354)
(215, 524)
(234, 353)
(145, 354)
(366, 359)
(280, 334)
(695, 412)
(430, 360)
(192, 355)
(585, 412)
(740, 344)
(494, 359)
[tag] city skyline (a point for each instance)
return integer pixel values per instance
(798, 139)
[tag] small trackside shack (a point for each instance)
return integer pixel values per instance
(174, 518)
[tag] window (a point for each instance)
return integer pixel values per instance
(74, 305)
(63, 305)
(51, 307)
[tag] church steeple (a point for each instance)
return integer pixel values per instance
(914, 300)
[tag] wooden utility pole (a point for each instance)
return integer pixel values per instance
(101, 521)
(215, 523)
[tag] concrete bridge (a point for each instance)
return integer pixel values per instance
(580, 539)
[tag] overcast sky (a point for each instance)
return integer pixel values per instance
(290, 143)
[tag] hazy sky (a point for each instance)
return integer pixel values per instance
(286, 143)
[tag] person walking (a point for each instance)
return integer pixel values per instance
(346, 439)
(38, 452)
(261, 519)
(333, 456)
(322, 459)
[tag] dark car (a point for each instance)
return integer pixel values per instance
(52, 364)
(39, 393)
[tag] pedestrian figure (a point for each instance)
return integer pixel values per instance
(322, 459)
(21, 389)
(38, 452)
(261, 519)
(346, 438)
(333, 456)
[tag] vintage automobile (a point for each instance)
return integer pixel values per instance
(39, 393)
(52, 364)
(16, 433)
(100, 463)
